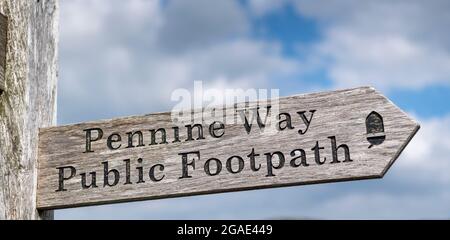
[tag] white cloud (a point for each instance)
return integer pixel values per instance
(242, 59)
(387, 44)
(401, 44)
(428, 156)
(386, 206)
(83, 21)
(187, 25)
(79, 23)
(263, 7)
(385, 61)
(125, 57)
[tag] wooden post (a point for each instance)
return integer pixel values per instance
(27, 101)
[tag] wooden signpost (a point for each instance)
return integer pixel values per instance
(313, 138)
(28, 80)
(3, 40)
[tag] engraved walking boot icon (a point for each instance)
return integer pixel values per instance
(375, 129)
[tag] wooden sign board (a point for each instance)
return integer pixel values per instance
(312, 138)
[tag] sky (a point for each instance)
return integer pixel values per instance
(120, 58)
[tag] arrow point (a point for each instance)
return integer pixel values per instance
(415, 126)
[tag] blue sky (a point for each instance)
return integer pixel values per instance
(142, 50)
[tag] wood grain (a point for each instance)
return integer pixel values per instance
(3, 42)
(339, 114)
(28, 103)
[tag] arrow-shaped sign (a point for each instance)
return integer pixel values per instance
(312, 138)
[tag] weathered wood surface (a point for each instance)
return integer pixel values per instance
(29, 101)
(3, 38)
(339, 114)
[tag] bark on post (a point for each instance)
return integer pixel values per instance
(28, 101)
